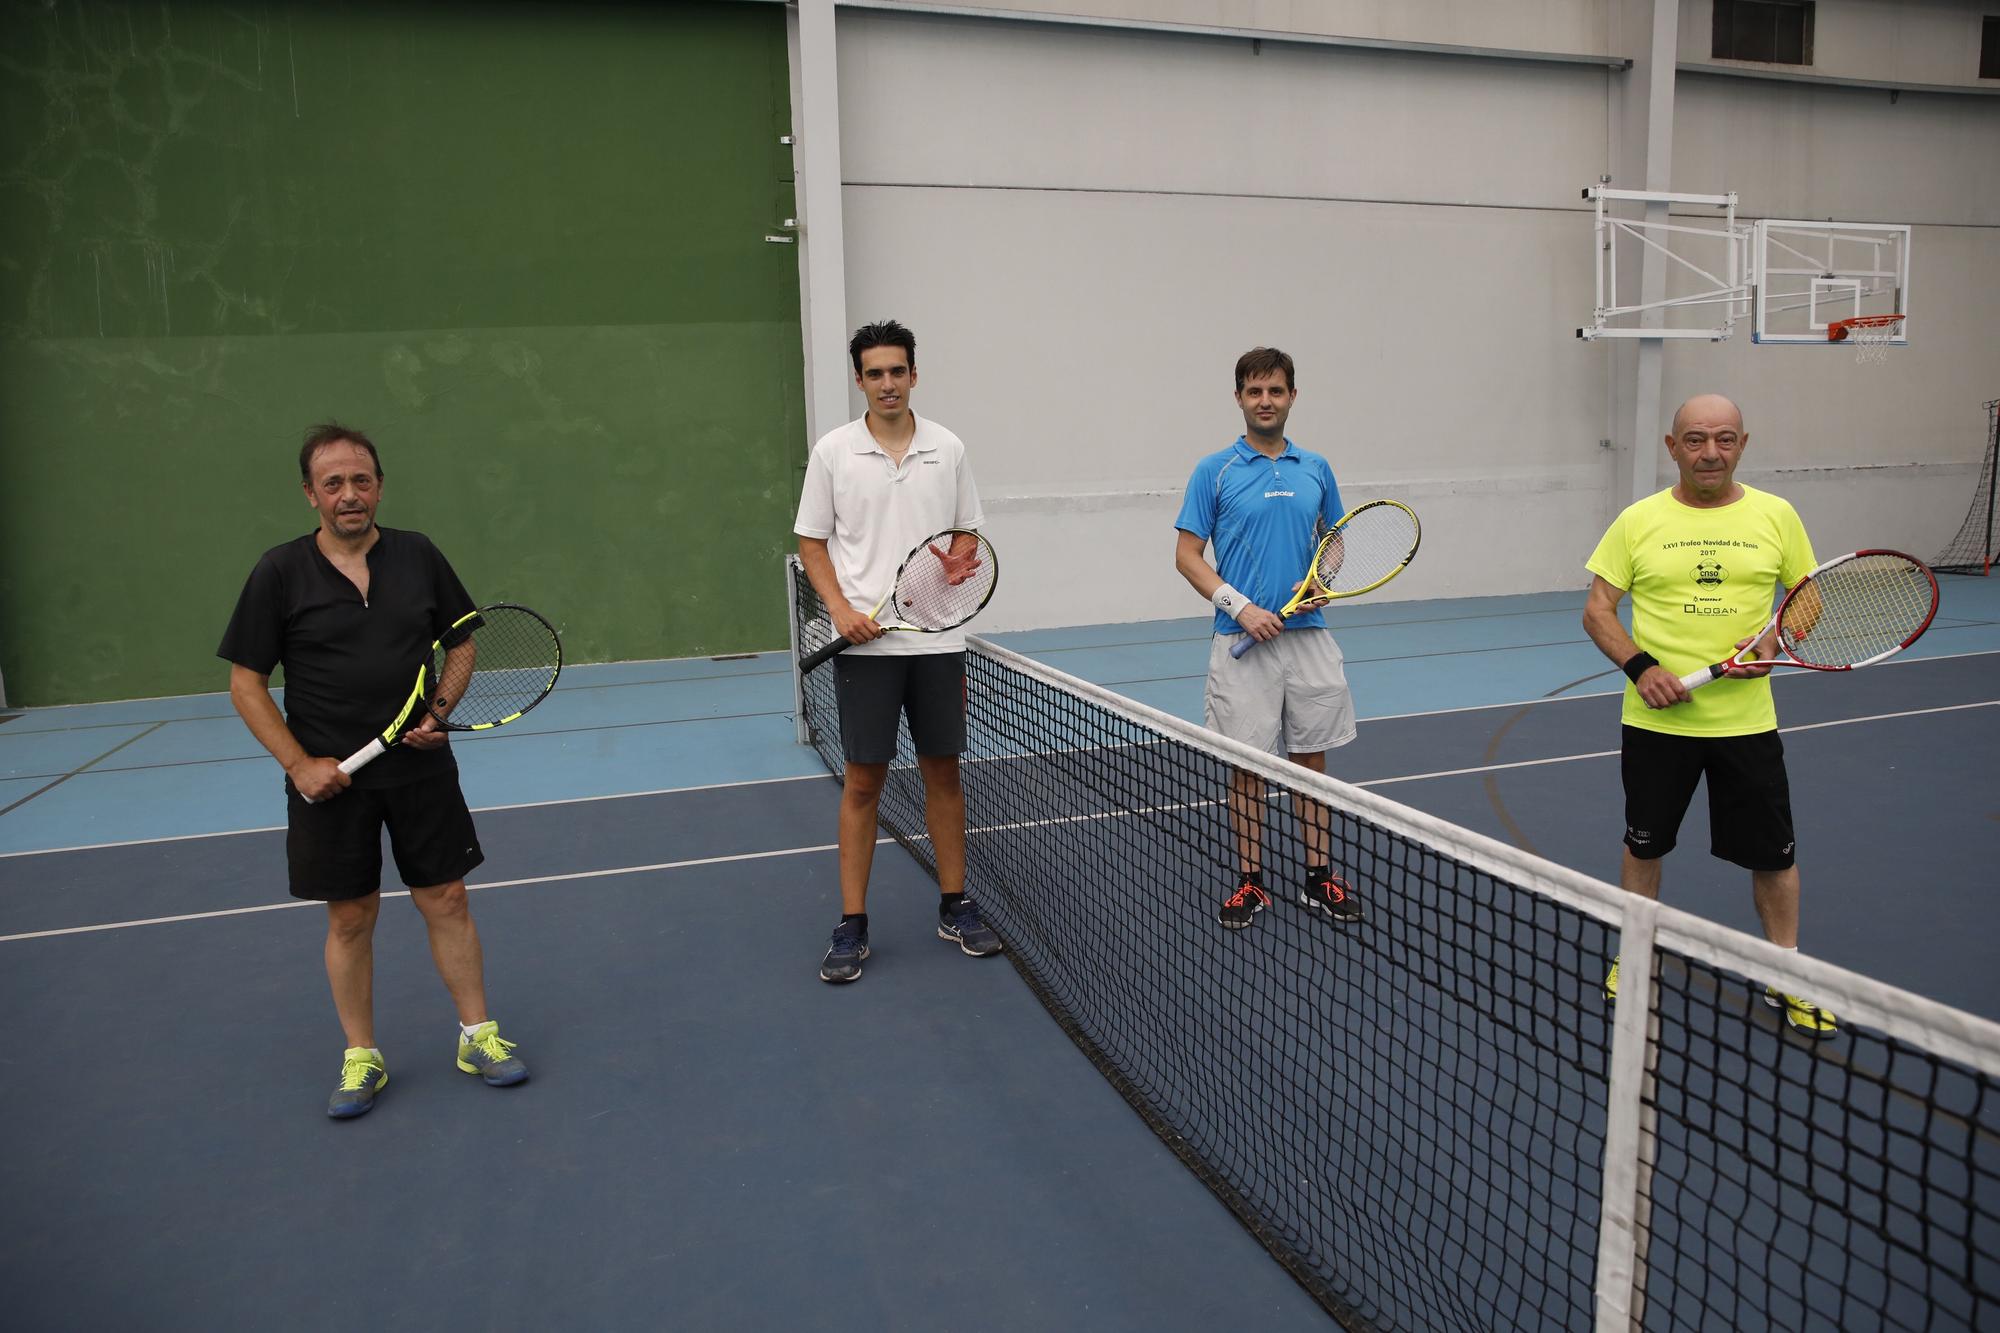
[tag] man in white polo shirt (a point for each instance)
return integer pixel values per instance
(874, 489)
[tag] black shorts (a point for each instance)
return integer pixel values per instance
(334, 849)
(874, 691)
(1749, 797)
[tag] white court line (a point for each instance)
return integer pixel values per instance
(404, 893)
(811, 777)
(1607, 754)
(970, 832)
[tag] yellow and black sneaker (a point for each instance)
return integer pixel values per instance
(1805, 1018)
(362, 1075)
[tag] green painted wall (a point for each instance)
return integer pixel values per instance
(521, 245)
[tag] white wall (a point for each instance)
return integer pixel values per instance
(1085, 227)
(1907, 43)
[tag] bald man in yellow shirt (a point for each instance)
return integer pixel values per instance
(1703, 562)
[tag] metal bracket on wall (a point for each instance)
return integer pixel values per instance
(789, 224)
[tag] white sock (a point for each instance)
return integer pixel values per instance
(465, 1030)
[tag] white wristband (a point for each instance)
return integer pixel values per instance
(1227, 600)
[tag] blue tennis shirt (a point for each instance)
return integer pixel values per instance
(1264, 516)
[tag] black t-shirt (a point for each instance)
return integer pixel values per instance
(349, 663)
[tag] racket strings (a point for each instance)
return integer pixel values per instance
(1858, 610)
(506, 662)
(943, 585)
(1366, 549)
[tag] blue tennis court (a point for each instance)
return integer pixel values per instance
(714, 1138)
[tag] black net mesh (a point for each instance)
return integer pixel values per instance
(1977, 544)
(1410, 1112)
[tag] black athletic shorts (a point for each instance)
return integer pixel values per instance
(1749, 797)
(334, 849)
(874, 691)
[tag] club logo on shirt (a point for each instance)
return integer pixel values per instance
(1710, 574)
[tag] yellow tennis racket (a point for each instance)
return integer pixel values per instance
(1368, 547)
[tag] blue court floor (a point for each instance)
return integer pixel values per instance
(713, 1138)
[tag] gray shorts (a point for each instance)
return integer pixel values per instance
(1288, 696)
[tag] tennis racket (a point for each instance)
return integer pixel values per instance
(945, 580)
(1852, 611)
(488, 669)
(1367, 548)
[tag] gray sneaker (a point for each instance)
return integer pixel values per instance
(361, 1077)
(844, 955)
(484, 1053)
(963, 926)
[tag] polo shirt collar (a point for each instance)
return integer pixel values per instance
(1249, 455)
(864, 441)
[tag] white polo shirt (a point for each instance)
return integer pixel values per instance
(870, 511)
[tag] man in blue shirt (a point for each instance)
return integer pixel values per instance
(1264, 503)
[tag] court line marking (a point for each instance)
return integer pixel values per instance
(404, 893)
(1904, 660)
(1608, 754)
(834, 847)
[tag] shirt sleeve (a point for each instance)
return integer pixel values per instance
(1198, 506)
(1612, 560)
(1331, 510)
(1795, 559)
(970, 514)
(453, 601)
(255, 637)
(815, 518)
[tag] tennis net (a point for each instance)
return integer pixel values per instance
(1434, 1118)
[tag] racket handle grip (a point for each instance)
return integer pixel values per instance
(818, 656)
(1242, 645)
(361, 758)
(1694, 680)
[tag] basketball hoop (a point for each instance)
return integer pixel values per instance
(1872, 336)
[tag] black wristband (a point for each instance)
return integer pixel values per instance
(1635, 665)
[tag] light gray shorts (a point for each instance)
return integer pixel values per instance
(1288, 696)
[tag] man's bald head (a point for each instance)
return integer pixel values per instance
(1710, 407)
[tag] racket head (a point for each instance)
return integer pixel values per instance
(1368, 547)
(946, 580)
(1857, 609)
(514, 659)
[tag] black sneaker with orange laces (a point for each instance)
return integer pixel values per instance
(1327, 892)
(1242, 906)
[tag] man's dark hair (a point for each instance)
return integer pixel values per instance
(1265, 361)
(332, 432)
(887, 333)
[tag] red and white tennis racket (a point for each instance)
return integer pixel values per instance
(1852, 611)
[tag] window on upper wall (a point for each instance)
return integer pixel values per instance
(1989, 50)
(1777, 32)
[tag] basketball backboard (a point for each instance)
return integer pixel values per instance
(1808, 275)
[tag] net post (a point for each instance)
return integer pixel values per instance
(1629, 1124)
(1992, 483)
(800, 730)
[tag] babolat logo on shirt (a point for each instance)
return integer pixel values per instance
(1274, 495)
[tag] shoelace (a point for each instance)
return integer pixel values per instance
(354, 1075)
(493, 1046)
(846, 941)
(1244, 895)
(1334, 888)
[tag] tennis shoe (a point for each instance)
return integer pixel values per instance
(1805, 1018)
(362, 1075)
(962, 925)
(490, 1056)
(844, 955)
(1329, 893)
(1242, 906)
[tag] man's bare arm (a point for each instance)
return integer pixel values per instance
(1659, 687)
(316, 777)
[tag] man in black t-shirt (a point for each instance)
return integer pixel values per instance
(350, 610)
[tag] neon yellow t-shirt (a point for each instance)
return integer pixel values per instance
(1700, 579)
